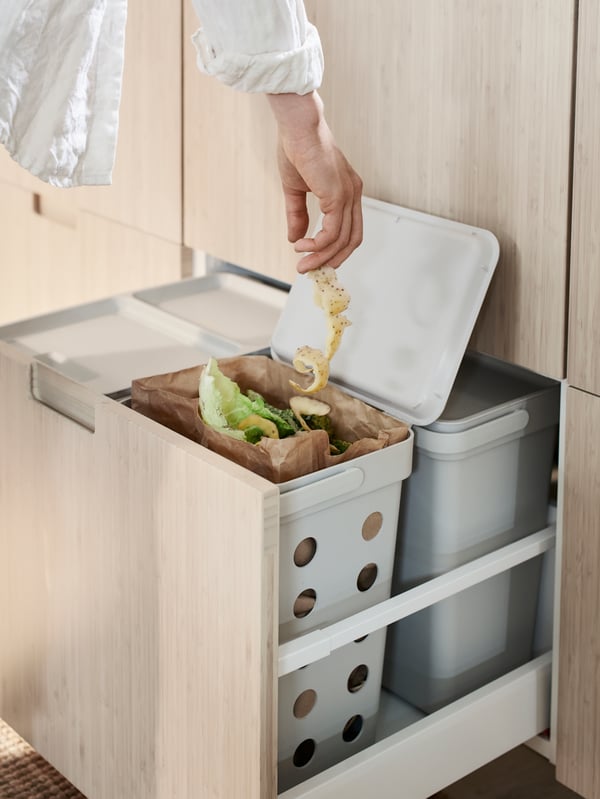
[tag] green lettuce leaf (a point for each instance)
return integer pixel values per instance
(222, 404)
(284, 420)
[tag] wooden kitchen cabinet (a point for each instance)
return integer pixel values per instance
(584, 331)
(139, 653)
(458, 108)
(462, 109)
(137, 647)
(38, 257)
(53, 255)
(147, 181)
(233, 206)
(62, 247)
(578, 727)
(146, 189)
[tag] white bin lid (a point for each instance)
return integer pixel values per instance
(417, 284)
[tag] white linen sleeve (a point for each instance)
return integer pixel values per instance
(61, 64)
(264, 46)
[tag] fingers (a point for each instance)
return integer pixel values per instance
(356, 236)
(294, 192)
(340, 235)
(310, 161)
(296, 213)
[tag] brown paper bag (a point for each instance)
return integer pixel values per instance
(172, 400)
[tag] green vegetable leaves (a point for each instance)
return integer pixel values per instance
(224, 408)
(250, 417)
(222, 404)
(284, 420)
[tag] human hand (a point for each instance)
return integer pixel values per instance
(309, 160)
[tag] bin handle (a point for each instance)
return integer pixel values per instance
(299, 499)
(444, 444)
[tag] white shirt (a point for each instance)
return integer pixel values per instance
(259, 45)
(61, 64)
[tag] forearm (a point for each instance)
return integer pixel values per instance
(297, 115)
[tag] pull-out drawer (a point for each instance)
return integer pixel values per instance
(423, 755)
(446, 746)
(139, 646)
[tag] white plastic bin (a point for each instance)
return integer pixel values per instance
(480, 480)
(417, 284)
(328, 710)
(337, 539)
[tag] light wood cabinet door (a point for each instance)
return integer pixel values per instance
(61, 247)
(233, 206)
(584, 331)
(146, 190)
(455, 107)
(53, 255)
(137, 648)
(578, 725)
(39, 256)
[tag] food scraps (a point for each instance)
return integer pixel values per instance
(249, 417)
(333, 298)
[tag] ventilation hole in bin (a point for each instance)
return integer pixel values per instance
(304, 753)
(358, 678)
(305, 551)
(305, 703)
(367, 576)
(372, 525)
(304, 603)
(360, 640)
(352, 728)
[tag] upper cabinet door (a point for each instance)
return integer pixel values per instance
(455, 107)
(146, 190)
(584, 333)
(233, 206)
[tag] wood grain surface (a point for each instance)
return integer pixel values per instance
(137, 582)
(578, 726)
(53, 255)
(147, 183)
(460, 108)
(584, 330)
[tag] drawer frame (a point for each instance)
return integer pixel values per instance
(67, 714)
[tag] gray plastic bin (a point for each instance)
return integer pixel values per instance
(480, 480)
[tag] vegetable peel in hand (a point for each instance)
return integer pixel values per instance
(333, 299)
(335, 325)
(329, 295)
